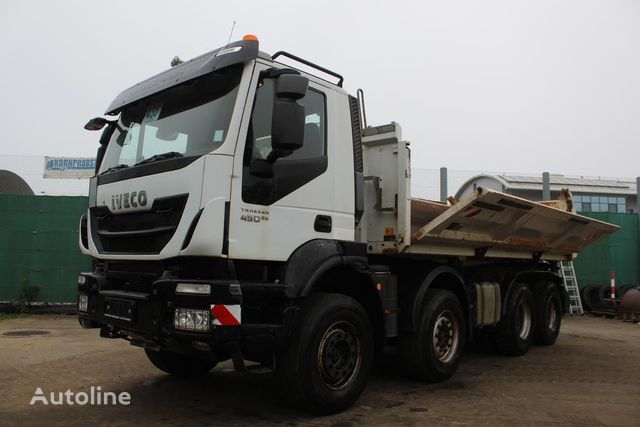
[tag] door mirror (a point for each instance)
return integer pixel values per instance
(287, 123)
(96, 123)
(104, 141)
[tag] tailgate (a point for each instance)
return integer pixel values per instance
(495, 224)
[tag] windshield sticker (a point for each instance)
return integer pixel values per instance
(153, 112)
(218, 135)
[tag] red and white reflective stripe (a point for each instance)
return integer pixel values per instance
(226, 315)
(613, 285)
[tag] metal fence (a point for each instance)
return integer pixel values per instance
(31, 168)
(426, 183)
(39, 235)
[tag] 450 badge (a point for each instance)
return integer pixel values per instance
(254, 215)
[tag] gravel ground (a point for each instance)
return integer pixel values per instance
(590, 377)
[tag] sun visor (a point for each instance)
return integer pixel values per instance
(234, 53)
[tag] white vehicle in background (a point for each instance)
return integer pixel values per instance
(240, 210)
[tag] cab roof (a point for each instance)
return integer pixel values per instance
(233, 53)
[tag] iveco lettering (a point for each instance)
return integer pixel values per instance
(129, 200)
(244, 210)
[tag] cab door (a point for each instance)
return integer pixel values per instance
(275, 211)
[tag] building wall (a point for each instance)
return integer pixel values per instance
(534, 195)
(484, 182)
(39, 246)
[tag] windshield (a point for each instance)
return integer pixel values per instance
(188, 120)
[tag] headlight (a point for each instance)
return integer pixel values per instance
(188, 319)
(83, 303)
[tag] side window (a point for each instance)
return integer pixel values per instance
(314, 127)
(294, 170)
(259, 137)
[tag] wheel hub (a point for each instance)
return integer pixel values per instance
(523, 320)
(551, 315)
(340, 357)
(446, 336)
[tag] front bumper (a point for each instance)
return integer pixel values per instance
(147, 318)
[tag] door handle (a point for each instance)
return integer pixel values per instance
(322, 224)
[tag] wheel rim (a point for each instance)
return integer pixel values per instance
(523, 320)
(552, 315)
(446, 336)
(340, 355)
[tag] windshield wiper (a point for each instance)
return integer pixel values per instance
(115, 168)
(156, 157)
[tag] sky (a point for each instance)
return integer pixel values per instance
(495, 85)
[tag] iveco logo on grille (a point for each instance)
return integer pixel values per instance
(129, 200)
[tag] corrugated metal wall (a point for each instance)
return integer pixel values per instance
(619, 252)
(39, 246)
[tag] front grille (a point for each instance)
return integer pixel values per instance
(138, 232)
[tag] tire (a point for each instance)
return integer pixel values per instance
(603, 293)
(585, 297)
(548, 307)
(179, 365)
(328, 360)
(591, 296)
(515, 332)
(433, 351)
(88, 324)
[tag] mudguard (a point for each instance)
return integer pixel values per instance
(310, 261)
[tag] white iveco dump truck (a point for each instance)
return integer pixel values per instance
(240, 210)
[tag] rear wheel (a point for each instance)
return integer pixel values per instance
(548, 314)
(515, 331)
(432, 352)
(327, 363)
(178, 364)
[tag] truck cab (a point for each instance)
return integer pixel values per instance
(194, 170)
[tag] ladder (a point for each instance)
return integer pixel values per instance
(571, 285)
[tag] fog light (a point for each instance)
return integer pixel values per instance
(82, 280)
(188, 319)
(193, 288)
(83, 303)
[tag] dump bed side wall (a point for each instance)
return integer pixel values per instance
(386, 223)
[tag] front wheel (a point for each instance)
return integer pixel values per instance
(179, 365)
(327, 363)
(432, 352)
